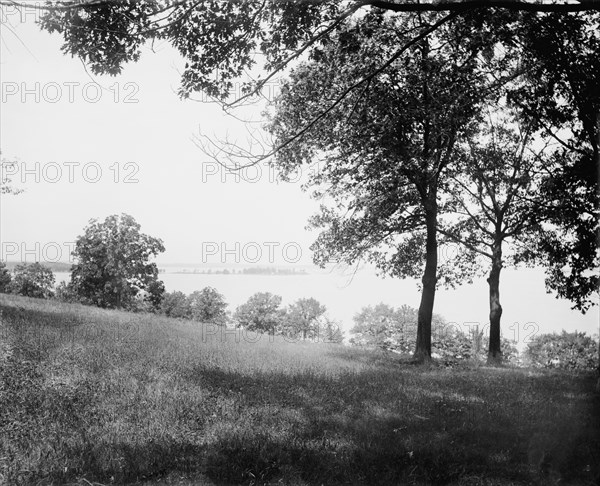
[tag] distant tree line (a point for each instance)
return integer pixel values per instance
(113, 270)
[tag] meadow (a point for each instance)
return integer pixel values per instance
(93, 397)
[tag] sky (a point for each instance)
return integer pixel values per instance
(90, 146)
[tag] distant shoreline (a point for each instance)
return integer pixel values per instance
(243, 271)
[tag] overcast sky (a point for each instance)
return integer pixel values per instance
(91, 146)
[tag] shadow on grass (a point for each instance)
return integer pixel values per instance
(381, 423)
(355, 429)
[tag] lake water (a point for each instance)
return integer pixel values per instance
(528, 309)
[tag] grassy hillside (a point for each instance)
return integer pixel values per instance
(89, 396)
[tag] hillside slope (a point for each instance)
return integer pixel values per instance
(90, 396)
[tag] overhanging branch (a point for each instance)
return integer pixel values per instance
(458, 6)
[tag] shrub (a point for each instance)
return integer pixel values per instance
(571, 351)
(176, 304)
(66, 293)
(33, 280)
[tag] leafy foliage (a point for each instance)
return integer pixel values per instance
(176, 305)
(262, 313)
(65, 292)
(33, 280)
(392, 329)
(113, 263)
(571, 351)
(208, 306)
(561, 97)
(388, 328)
(212, 36)
(303, 318)
(5, 279)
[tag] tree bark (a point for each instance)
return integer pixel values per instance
(423, 348)
(495, 351)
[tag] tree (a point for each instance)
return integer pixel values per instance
(33, 280)
(208, 306)
(303, 318)
(262, 313)
(330, 330)
(5, 279)
(560, 96)
(176, 305)
(113, 262)
(383, 153)
(493, 191)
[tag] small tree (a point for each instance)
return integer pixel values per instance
(176, 305)
(262, 313)
(494, 195)
(209, 306)
(330, 330)
(113, 262)
(303, 318)
(5, 279)
(33, 280)
(154, 294)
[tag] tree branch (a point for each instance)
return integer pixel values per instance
(349, 89)
(458, 6)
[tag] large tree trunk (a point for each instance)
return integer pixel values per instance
(423, 349)
(495, 351)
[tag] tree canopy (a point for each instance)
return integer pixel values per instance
(112, 262)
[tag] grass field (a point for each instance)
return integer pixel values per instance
(89, 396)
